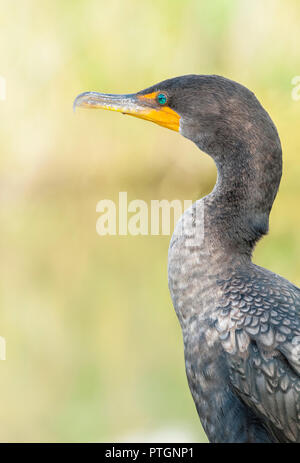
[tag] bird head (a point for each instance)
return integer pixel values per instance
(216, 113)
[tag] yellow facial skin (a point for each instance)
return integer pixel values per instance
(141, 106)
(163, 115)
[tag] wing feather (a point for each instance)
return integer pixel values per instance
(260, 333)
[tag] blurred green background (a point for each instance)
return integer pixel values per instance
(94, 349)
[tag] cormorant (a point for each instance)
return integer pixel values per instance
(240, 322)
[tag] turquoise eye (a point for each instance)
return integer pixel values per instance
(161, 98)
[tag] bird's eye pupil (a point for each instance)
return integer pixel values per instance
(161, 98)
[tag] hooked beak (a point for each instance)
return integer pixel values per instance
(137, 105)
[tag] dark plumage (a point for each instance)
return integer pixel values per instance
(240, 322)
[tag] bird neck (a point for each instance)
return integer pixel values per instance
(237, 210)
